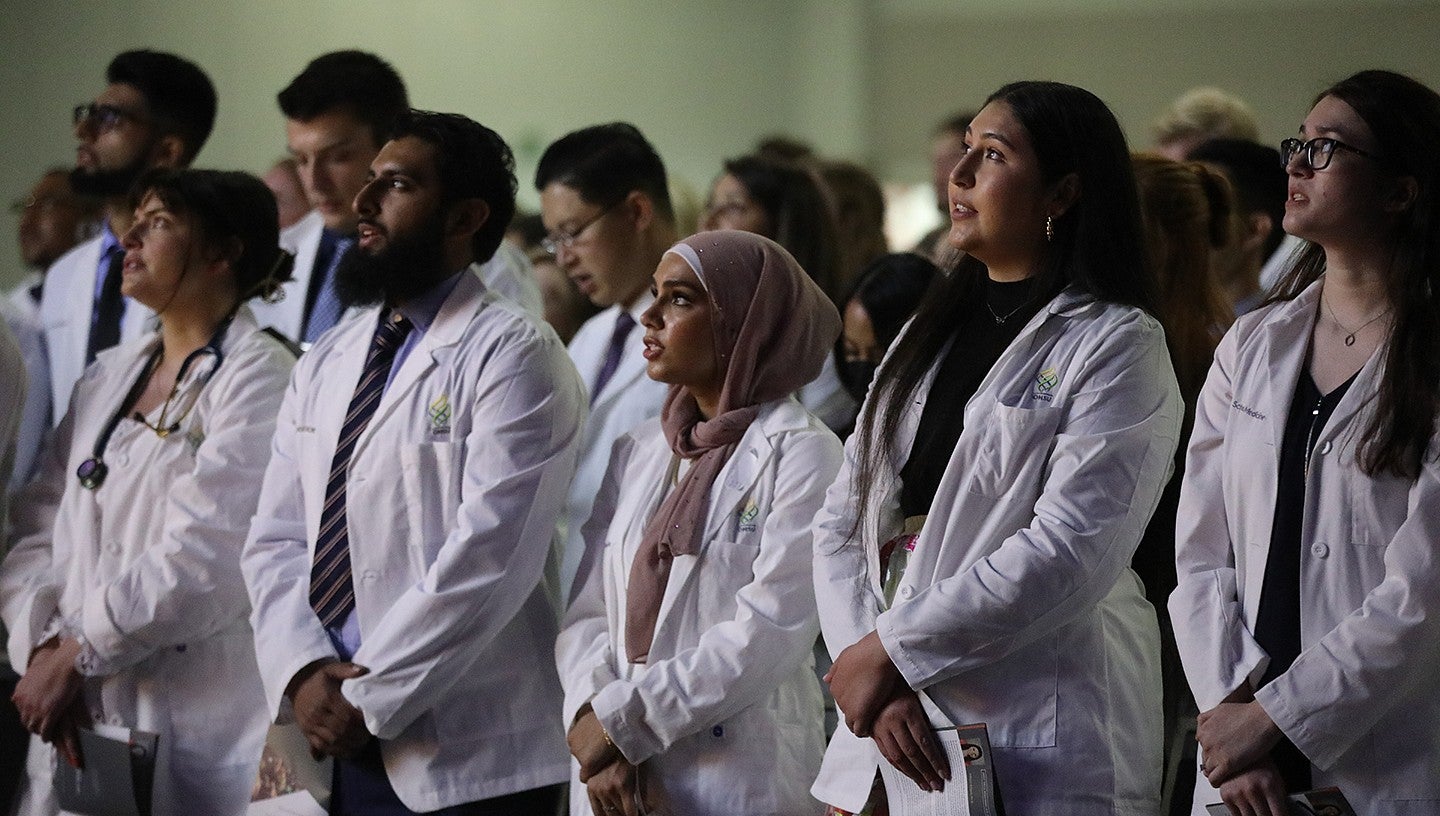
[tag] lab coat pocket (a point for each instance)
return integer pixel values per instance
(724, 567)
(1012, 447)
(431, 477)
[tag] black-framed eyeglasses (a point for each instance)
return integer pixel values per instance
(1318, 151)
(556, 241)
(102, 116)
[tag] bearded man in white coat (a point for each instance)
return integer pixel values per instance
(156, 110)
(421, 460)
(338, 112)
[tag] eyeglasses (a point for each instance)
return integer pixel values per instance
(556, 241)
(102, 116)
(1318, 151)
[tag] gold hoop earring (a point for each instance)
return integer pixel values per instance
(1049, 228)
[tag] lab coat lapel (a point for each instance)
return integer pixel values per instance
(734, 481)
(450, 322)
(1285, 344)
(630, 369)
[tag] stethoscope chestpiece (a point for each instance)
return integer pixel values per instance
(92, 473)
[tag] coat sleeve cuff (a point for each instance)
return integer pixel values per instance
(101, 642)
(620, 711)
(1320, 749)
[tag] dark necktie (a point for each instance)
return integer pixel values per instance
(109, 308)
(623, 324)
(332, 592)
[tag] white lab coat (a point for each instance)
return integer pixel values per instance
(629, 398)
(508, 273)
(826, 397)
(1362, 700)
(13, 399)
(66, 307)
(146, 569)
(22, 314)
(1018, 608)
(726, 714)
(453, 494)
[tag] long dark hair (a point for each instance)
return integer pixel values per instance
(1097, 248)
(801, 215)
(1404, 115)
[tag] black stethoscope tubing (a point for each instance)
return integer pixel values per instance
(92, 471)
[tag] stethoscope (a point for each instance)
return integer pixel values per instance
(92, 471)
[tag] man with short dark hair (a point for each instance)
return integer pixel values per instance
(156, 111)
(338, 113)
(420, 463)
(606, 206)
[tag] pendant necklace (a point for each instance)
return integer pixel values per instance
(1350, 337)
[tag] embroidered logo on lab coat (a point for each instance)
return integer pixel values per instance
(439, 413)
(748, 514)
(1045, 382)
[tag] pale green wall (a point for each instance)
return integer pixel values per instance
(932, 62)
(865, 79)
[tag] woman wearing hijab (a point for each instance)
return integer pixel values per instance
(122, 589)
(687, 654)
(972, 561)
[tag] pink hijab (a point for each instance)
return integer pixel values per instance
(773, 327)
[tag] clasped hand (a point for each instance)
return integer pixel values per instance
(876, 702)
(330, 723)
(1234, 737)
(612, 783)
(48, 697)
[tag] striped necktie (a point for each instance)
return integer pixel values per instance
(332, 592)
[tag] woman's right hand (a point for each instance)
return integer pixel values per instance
(1258, 791)
(907, 741)
(615, 790)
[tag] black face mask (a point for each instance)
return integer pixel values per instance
(856, 376)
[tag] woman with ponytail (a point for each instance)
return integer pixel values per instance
(122, 589)
(1308, 607)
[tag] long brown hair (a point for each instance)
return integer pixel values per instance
(1404, 115)
(1188, 211)
(1097, 248)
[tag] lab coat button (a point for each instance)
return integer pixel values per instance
(1319, 550)
(906, 591)
(1325, 447)
(180, 648)
(369, 576)
(718, 731)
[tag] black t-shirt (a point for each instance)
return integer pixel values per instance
(985, 327)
